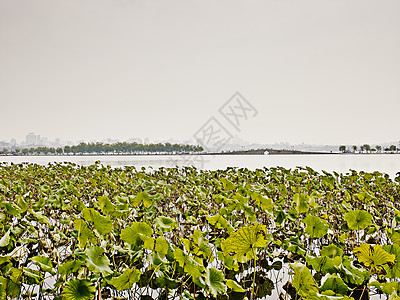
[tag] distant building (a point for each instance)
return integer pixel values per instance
(13, 142)
(31, 139)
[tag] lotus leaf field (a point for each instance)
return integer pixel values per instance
(96, 232)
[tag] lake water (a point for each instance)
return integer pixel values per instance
(341, 163)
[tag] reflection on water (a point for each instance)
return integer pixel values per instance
(386, 163)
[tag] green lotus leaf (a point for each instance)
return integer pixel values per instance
(97, 262)
(331, 251)
(280, 217)
(303, 281)
(68, 267)
(155, 259)
(136, 232)
(161, 246)
(220, 222)
(18, 253)
(142, 197)
(11, 208)
(44, 263)
(23, 206)
(228, 261)
(395, 237)
(180, 257)
(78, 289)
(394, 296)
(190, 266)
(277, 265)
(215, 280)
(4, 259)
(373, 257)
(358, 219)
(301, 202)
(148, 242)
(40, 217)
(245, 241)
(33, 276)
(84, 233)
(102, 224)
(334, 283)
(167, 282)
(106, 205)
(203, 249)
(315, 227)
(265, 203)
(387, 287)
(228, 185)
(126, 280)
(234, 286)
(351, 274)
(165, 223)
(5, 240)
(393, 271)
(10, 287)
(324, 264)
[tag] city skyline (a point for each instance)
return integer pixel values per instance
(33, 140)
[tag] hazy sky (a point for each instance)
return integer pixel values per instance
(316, 71)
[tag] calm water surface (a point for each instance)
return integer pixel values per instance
(341, 163)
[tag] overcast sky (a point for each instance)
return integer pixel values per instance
(314, 71)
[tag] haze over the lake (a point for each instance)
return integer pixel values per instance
(316, 71)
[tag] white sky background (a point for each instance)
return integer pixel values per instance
(317, 71)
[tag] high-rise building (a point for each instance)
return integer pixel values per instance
(31, 139)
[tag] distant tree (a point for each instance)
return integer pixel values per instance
(378, 148)
(354, 148)
(366, 147)
(342, 148)
(67, 149)
(392, 148)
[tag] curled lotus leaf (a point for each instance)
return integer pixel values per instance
(165, 223)
(393, 271)
(5, 240)
(97, 262)
(126, 280)
(331, 251)
(303, 281)
(215, 281)
(333, 282)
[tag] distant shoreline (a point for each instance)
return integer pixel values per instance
(241, 152)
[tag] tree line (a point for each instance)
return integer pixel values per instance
(117, 148)
(367, 149)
